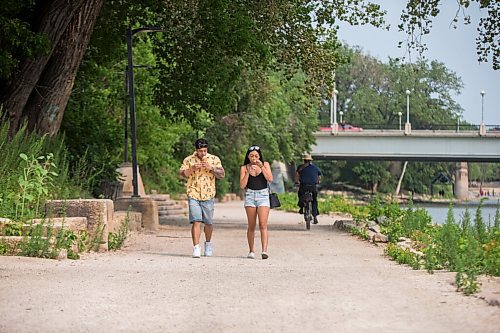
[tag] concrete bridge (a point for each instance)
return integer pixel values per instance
(423, 145)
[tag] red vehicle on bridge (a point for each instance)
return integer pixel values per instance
(342, 127)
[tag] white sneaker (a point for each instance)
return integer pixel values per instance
(197, 251)
(251, 255)
(208, 249)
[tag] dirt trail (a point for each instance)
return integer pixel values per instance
(320, 280)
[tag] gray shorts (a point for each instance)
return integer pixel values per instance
(201, 210)
(257, 198)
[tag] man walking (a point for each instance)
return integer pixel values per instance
(308, 176)
(201, 169)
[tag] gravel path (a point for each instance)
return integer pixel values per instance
(320, 280)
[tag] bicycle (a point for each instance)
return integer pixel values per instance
(307, 199)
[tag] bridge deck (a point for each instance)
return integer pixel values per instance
(419, 145)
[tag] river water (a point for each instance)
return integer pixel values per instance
(439, 212)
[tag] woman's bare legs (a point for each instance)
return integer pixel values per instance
(263, 213)
(252, 223)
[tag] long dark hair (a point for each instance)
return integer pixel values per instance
(251, 149)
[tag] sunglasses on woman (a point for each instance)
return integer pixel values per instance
(254, 148)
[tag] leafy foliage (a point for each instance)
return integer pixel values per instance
(28, 175)
(18, 40)
(416, 22)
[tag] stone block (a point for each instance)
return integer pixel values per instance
(119, 218)
(126, 189)
(145, 205)
(71, 223)
(97, 212)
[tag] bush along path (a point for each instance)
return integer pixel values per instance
(470, 247)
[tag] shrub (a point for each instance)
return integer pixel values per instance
(116, 240)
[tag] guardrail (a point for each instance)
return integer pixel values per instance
(431, 127)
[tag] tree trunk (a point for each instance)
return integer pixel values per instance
(398, 188)
(45, 109)
(54, 22)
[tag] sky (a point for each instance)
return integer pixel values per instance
(456, 48)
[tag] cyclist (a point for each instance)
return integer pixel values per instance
(308, 176)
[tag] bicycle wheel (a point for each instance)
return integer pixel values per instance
(308, 214)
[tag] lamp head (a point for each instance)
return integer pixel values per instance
(408, 92)
(482, 92)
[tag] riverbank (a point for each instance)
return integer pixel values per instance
(361, 196)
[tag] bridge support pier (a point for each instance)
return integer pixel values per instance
(462, 181)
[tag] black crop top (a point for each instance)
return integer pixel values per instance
(258, 182)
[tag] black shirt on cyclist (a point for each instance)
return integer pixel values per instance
(308, 176)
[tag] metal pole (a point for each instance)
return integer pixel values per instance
(334, 103)
(407, 106)
(482, 106)
(132, 114)
(400, 114)
(332, 100)
(335, 92)
(125, 150)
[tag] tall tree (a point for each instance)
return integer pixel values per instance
(54, 21)
(56, 82)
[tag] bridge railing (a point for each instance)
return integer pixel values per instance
(430, 127)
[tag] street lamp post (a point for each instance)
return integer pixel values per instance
(407, 125)
(332, 101)
(125, 150)
(335, 125)
(400, 114)
(133, 133)
(341, 114)
(482, 106)
(482, 127)
(333, 106)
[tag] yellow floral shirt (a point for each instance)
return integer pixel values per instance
(201, 183)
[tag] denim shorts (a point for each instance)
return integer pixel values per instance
(201, 211)
(257, 198)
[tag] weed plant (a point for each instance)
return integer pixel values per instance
(37, 242)
(116, 240)
(27, 173)
(96, 238)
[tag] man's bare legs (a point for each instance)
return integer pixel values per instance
(196, 232)
(208, 229)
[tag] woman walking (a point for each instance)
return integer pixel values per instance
(255, 174)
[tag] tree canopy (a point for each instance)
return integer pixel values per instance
(239, 72)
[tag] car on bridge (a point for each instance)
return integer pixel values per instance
(343, 128)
